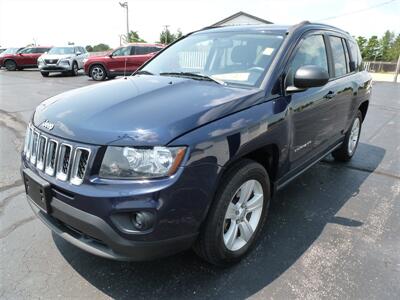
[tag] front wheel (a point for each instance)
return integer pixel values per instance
(74, 71)
(237, 215)
(10, 65)
(98, 73)
(346, 151)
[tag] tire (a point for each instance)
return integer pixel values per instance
(10, 65)
(349, 146)
(75, 69)
(222, 240)
(45, 74)
(97, 72)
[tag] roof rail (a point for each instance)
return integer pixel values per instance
(296, 26)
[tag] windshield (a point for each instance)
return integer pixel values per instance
(10, 51)
(232, 57)
(61, 50)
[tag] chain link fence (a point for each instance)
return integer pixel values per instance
(380, 66)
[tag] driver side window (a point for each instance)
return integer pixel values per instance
(124, 51)
(312, 51)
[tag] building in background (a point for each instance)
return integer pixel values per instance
(241, 18)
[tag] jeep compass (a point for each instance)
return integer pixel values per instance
(188, 151)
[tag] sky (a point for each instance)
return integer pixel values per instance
(84, 22)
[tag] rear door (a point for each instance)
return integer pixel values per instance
(345, 82)
(141, 54)
(311, 111)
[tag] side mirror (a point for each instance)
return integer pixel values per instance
(78, 53)
(307, 77)
(110, 55)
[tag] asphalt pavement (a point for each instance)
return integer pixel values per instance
(333, 233)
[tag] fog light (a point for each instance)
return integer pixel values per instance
(143, 220)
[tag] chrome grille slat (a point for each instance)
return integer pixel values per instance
(64, 161)
(51, 155)
(56, 158)
(79, 166)
(41, 152)
(34, 144)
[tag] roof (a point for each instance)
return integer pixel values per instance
(238, 14)
(144, 44)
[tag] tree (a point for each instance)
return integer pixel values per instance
(362, 43)
(394, 51)
(101, 47)
(133, 38)
(89, 48)
(167, 37)
(372, 49)
(386, 43)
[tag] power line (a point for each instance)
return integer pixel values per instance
(357, 11)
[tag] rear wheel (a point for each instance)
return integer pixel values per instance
(10, 65)
(98, 73)
(237, 215)
(45, 74)
(346, 151)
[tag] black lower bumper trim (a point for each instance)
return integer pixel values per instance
(94, 235)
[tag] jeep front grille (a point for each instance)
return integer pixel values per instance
(56, 158)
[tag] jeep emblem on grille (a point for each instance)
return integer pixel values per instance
(48, 125)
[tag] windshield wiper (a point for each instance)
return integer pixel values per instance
(143, 72)
(197, 76)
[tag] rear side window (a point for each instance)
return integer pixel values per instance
(312, 51)
(355, 56)
(41, 50)
(338, 55)
(143, 50)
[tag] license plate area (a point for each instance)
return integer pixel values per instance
(38, 190)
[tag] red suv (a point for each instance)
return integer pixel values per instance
(123, 60)
(26, 58)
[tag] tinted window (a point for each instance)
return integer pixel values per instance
(41, 50)
(28, 50)
(355, 56)
(312, 51)
(124, 51)
(339, 57)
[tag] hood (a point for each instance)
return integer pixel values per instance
(141, 110)
(56, 56)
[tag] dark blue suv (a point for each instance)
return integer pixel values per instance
(188, 151)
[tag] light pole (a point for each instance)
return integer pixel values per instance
(125, 5)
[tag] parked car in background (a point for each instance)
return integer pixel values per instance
(189, 150)
(123, 60)
(8, 51)
(2, 50)
(67, 60)
(25, 58)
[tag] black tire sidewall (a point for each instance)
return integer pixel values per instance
(247, 171)
(73, 69)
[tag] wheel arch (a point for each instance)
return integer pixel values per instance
(364, 108)
(100, 64)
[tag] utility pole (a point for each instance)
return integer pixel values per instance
(125, 5)
(397, 69)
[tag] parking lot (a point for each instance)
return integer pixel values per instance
(334, 231)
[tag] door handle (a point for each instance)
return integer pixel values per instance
(330, 95)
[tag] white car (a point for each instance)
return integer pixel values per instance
(67, 59)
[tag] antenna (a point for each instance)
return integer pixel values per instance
(125, 68)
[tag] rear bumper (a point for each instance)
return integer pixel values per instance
(92, 234)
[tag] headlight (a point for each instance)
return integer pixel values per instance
(141, 163)
(64, 62)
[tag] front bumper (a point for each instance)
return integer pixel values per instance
(94, 235)
(54, 67)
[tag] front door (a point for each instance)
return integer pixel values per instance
(312, 111)
(119, 60)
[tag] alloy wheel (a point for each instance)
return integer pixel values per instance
(243, 215)
(354, 135)
(97, 73)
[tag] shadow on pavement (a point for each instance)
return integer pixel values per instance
(295, 222)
